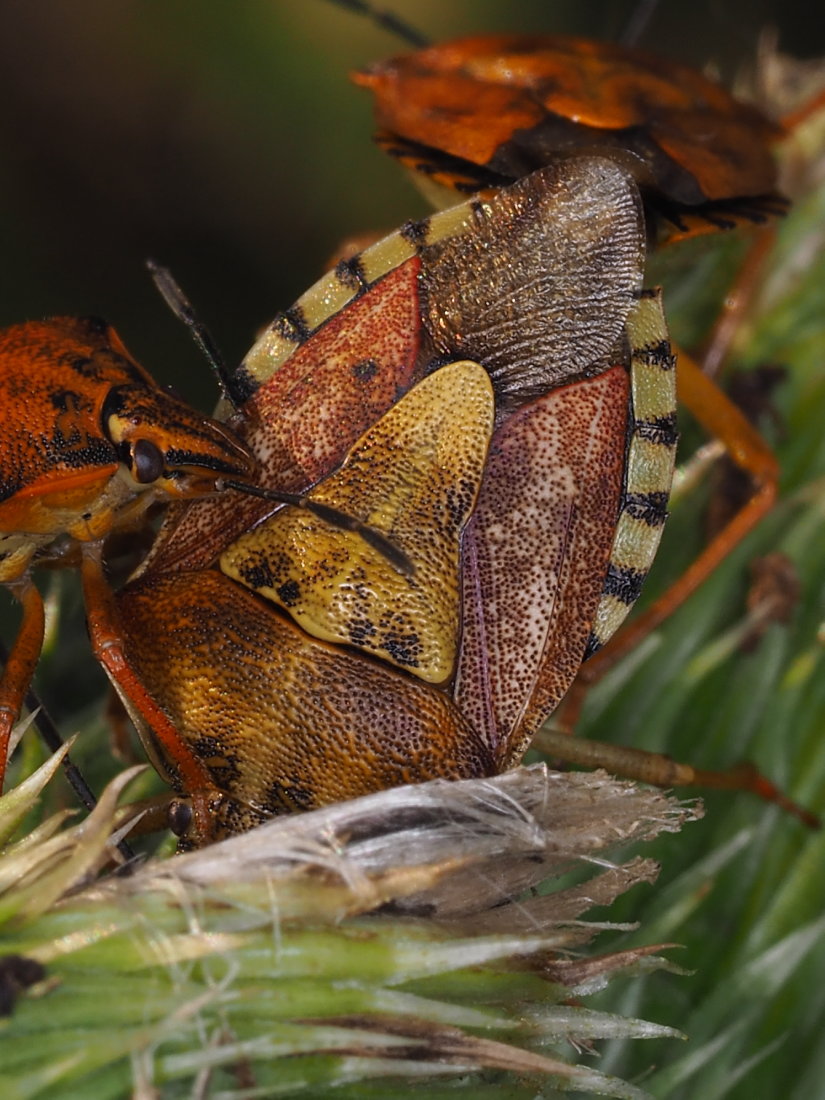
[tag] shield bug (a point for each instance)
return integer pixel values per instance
(492, 390)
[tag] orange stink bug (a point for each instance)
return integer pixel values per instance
(87, 442)
(476, 113)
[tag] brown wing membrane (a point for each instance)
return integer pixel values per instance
(535, 556)
(539, 291)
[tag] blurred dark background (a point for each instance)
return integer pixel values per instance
(225, 140)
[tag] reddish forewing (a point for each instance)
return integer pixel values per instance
(303, 420)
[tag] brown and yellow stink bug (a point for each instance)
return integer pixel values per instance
(492, 390)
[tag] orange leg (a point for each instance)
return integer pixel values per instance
(797, 118)
(108, 646)
(740, 296)
(737, 302)
(120, 731)
(23, 658)
(662, 771)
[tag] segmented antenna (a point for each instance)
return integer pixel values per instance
(387, 20)
(185, 312)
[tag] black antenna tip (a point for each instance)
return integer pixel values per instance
(183, 309)
(388, 21)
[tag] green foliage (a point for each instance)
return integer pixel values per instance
(263, 966)
(225, 146)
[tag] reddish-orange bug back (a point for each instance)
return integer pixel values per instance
(480, 112)
(87, 441)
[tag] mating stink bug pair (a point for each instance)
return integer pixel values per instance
(303, 667)
(471, 373)
(492, 391)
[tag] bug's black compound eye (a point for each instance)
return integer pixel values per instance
(147, 462)
(179, 817)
